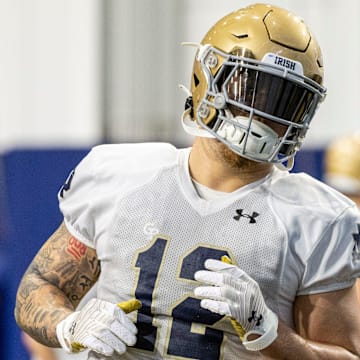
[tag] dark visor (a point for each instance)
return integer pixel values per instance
(265, 92)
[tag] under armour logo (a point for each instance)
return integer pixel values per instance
(253, 317)
(250, 217)
(356, 248)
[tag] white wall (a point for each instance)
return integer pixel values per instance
(143, 62)
(54, 61)
(49, 73)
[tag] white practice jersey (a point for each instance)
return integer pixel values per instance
(137, 206)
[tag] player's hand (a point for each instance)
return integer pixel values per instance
(100, 326)
(234, 293)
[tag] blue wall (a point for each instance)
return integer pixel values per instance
(29, 182)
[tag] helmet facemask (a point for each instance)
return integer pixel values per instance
(261, 110)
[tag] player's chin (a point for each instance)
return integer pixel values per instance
(237, 161)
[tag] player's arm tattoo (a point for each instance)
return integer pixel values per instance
(59, 276)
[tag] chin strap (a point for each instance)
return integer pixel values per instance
(192, 128)
(289, 164)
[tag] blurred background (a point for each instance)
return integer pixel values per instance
(74, 74)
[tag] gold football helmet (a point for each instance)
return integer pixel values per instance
(256, 83)
(342, 164)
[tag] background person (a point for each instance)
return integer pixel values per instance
(342, 165)
(342, 168)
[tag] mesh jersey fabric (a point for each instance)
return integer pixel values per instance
(136, 205)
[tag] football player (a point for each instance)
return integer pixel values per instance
(217, 250)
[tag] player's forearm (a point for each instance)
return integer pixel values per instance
(58, 277)
(40, 306)
(291, 346)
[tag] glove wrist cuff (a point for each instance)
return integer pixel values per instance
(63, 329)
(267, 337)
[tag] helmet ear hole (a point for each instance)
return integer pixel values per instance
(196, 80)
(189, 105)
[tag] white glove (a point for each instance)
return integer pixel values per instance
(100, 326)
(236, 294)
